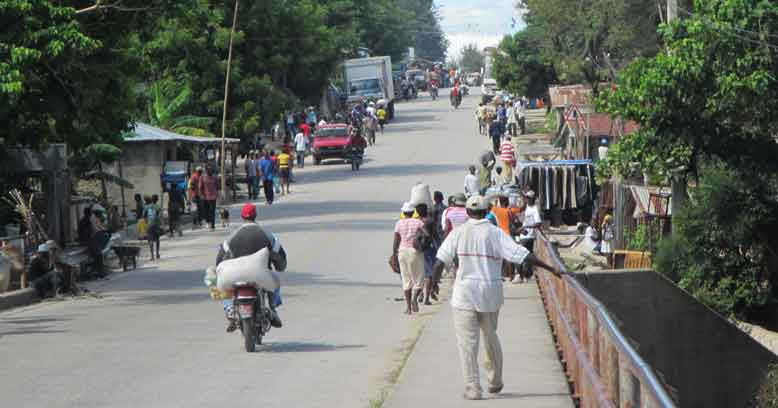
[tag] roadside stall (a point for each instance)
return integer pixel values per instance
(566, 189)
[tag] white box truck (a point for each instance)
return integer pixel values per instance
(370, 78)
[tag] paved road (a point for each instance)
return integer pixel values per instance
(154, 339)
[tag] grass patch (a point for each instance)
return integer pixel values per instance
(378, 401)
(394, 375)
(405, 354)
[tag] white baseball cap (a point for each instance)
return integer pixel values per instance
(408, 207)
(530, 194)
(477, 202)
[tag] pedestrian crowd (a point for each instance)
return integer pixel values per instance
(482, 241)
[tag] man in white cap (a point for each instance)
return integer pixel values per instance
(532, 221)
(478, 294)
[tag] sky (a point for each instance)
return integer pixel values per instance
(483, 22)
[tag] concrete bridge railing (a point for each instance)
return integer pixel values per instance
(604, 368)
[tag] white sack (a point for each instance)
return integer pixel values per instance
(420, 194)
(250, 269)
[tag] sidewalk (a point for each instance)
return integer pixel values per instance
(532, 373)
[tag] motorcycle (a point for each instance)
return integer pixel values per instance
(407, 93)
(434, 92)
(357, 154)
(252, 312)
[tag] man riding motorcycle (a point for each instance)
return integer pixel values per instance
(249, 239)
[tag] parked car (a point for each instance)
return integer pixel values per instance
(331, 141)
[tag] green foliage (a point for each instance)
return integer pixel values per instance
(65, 77)
(715, 90)
(722, 250)
(92, 157)
(643, 153)
(641, 239)
(471, 59)
(520, 68)
(429, 40)
(586, 40)
(74, 73)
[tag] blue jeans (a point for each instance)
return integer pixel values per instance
(274, 298)
(430, 256)
(301, 158)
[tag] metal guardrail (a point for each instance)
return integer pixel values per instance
(604, 368)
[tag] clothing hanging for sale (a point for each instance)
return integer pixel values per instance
(563, 184)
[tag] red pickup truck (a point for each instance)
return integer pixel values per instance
(332, 141)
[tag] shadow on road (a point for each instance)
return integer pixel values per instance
(300, 347)
(518, 395)
(30, 325)
(414, 118)
(309, 279)
(360, 225)
(335, 173)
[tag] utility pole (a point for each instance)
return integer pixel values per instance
(678, 180)
(222, 157)
(672, 10)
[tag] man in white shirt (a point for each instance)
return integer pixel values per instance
(472, 185)
(299, 147)
(477, 296)
(532, 221)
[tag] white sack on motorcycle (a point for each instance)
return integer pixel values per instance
(251, 269)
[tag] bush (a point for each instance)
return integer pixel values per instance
(721, 250)
(767, 397)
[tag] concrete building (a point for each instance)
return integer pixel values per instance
(148, 150)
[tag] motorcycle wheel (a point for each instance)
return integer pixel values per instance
(249, 334)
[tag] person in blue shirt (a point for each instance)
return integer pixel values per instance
(268, 169)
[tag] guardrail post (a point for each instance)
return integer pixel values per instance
(593, 341)
(609, 366)
(646, 400)
(629, 388)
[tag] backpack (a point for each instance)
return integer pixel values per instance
(423, 240)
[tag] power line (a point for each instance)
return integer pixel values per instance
(740, 30)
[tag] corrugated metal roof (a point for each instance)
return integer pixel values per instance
(147, 133)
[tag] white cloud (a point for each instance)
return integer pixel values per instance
(483, 22)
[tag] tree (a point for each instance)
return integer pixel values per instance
(471, 59)
(519, 67)
(64, 77)
(88, 165)
(714, 92)
(723, 248)
(592, 40)
(703, 91)
(428, 37)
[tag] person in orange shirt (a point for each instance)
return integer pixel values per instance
(505, 216)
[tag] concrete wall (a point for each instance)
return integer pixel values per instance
(141, 165)
(707, 361)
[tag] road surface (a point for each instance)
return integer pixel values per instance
(153, 338)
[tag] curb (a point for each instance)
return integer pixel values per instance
(17, 298)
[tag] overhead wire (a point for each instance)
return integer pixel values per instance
(729, 31)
